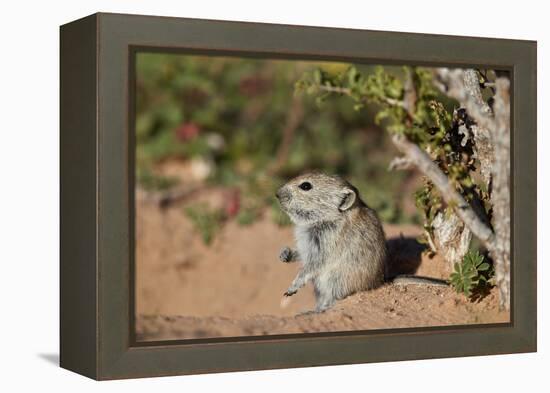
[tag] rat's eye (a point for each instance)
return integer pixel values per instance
(306, 186)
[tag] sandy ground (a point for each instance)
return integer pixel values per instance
(234, 287)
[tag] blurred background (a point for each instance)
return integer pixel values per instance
(238, 123)
(215, 138)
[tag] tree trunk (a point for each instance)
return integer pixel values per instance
(501, 189)
(451, 237)
(483, 146)
(492, 139)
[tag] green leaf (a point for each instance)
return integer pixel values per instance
(483, 267)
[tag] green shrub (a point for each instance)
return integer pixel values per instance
(472, 276)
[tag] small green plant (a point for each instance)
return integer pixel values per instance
(472, 276)
(207, 221)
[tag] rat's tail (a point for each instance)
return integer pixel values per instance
(409, 279)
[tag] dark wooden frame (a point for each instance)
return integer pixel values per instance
(97, 178)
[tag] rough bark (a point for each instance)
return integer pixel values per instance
(492, 139)
(482, 142)
(451, 237)
(500, 135)
(463, 85)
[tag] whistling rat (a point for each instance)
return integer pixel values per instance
(340, 241)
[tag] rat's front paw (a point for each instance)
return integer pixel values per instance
(290, 292)
(285, 255)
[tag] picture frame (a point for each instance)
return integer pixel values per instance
(97, 66)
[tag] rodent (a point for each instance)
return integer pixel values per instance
(340, 241)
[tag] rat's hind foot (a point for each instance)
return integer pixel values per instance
(318, 310)
(324, 305)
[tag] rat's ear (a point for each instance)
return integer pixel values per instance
(348, 198)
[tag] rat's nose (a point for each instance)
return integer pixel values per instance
(282, 194)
